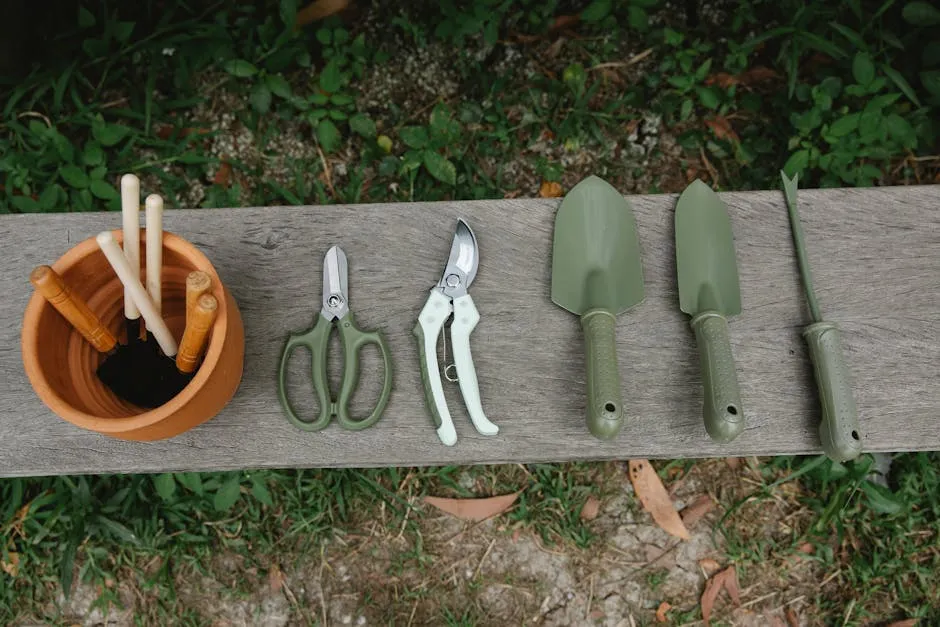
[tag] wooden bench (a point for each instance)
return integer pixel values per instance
(875, 254)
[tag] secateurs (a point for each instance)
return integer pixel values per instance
(449, 297)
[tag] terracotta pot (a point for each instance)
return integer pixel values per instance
(61, 365)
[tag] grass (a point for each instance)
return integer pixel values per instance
(226, 104)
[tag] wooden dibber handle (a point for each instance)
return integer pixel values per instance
(200, 320)
(48, 283)
(197, 284)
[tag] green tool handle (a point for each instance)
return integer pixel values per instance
(354, 340)
(724, 419)
(838, 429)
(605, 401)
(316, 340)
(435, 313)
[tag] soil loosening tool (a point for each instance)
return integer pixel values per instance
(449, 297)
(597, 274)
(130, 217)
(53, 288)
(197, 284)
(838, 427)
(198, 324)
(710, 291)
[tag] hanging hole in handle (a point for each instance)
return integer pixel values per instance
(732, 410)
(610, 407)
(855, 435)
(366, 394)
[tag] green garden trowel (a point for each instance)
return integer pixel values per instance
(709, 292)
(597, 274)
(838, 429)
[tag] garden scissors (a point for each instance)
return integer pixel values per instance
(317, 340)
(449, 300)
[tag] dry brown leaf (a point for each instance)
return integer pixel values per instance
(908, 622)
(709, 565)
(223, 176)
(722, 129)
(757, 74)
(661, 612)
(565, 21)
(733, 462)
(726, 579)
(591, 508)
(474, 509)
(722, 79)
(697, 509)
(276, 578)
(792, 619)
(776, 621)
(551, 189)
(654, 498)
(319, 10)
(806, 548)
(11, 565)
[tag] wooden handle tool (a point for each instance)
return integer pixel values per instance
(197, 284)
(132, 284)
(196, 334)
(154, 221)
(49, 283)
(130, 216)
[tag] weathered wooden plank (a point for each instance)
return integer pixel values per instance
(875, 253)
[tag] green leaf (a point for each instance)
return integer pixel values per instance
(931, 81)
(414, 136)
(192, 481)
(336, 114)
(103, 190)
(854, 38)
(921, 14)
(93, 154)
(596, 11)
(331, 79)
(278, 85)
(440, 119)
(288, 11)
(260, 491)
(49, 198)
(491, 32)
(122, 31)
(901, 130)
(328, 135)
(109, 134)
(324, 36)
(863, 69)
(165, 485)
(361, 124)
(228, 493)
(86, 19)
(686, 109)
(844, 125)
(25, 204)
(702, 72)
(341, 100)
(260, 98)
(870, 122)
(240, 68)
(881, 499)
(708, 97)
(74, 176)
(98, 173)
(439, 167)
(797, 162)
(638, 18)
(119, 531)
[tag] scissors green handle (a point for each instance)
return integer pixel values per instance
(317, 340)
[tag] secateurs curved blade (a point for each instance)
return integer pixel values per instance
(450, 297)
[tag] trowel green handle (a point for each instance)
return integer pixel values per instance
(724, 418)
(838, 430)
(605, 402)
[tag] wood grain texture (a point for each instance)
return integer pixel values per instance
(875, 256)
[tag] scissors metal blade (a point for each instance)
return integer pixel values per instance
(335, 284)
(463, 262)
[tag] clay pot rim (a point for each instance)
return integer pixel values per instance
(30, 345)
